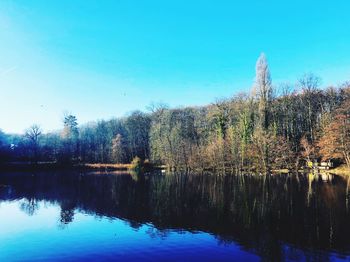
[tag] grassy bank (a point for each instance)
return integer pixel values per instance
(27, 166)
(342, 170)
(107, 166)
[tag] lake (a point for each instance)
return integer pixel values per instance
(72, 216)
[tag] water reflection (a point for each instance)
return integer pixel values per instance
(277, 217)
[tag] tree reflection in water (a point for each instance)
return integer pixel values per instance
(29, 206)
(273, 216)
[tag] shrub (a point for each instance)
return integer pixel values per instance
(136, 164)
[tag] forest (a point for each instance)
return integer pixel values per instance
(270, 127)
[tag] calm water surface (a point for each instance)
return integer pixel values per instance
(173, 217)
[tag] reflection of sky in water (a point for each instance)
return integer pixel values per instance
(74, 216)
(42, 236)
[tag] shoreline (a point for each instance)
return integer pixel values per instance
(26, 166)
(342, 170)
(23, 166)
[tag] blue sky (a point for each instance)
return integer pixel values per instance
(103, 59)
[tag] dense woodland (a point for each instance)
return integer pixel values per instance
(269, 127)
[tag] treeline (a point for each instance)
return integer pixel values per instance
(268, 128)
(113, 141)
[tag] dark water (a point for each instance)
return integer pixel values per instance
(173, 217)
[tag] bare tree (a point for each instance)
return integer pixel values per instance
(263, 86)
(33, 134)
(307, 148)
(309, 84)
(119, 149)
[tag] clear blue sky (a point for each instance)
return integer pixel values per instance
(101, 59)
